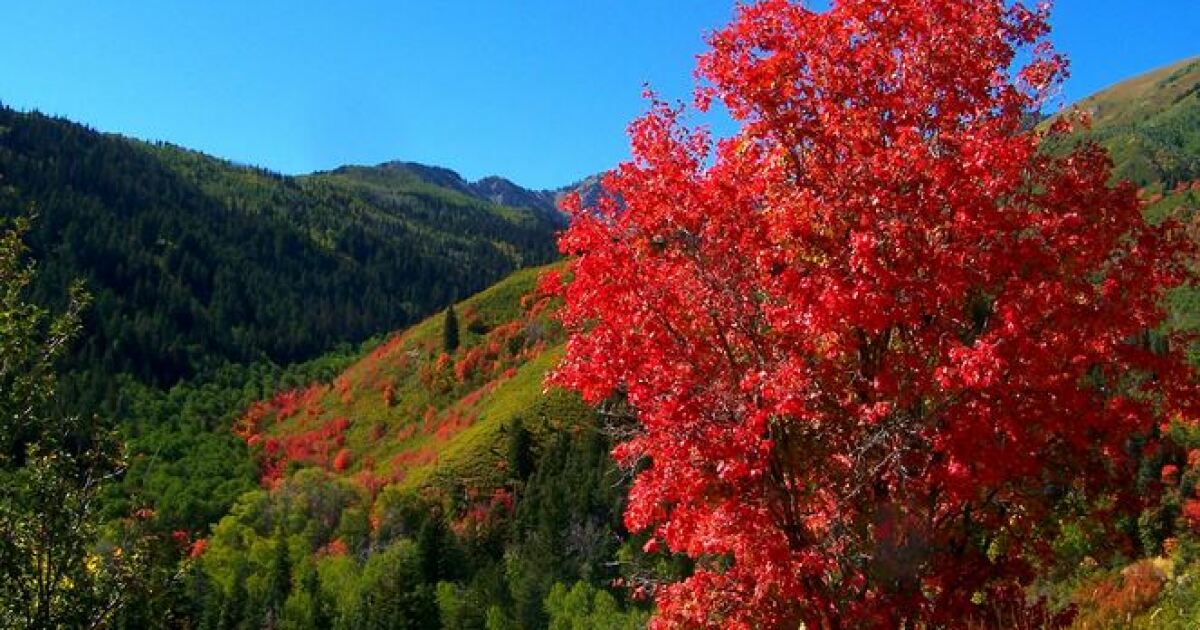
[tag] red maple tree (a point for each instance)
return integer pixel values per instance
(873, 338)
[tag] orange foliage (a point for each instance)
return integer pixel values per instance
(413, 459)
(197, 548)
(467, 366)
(1191, 513)
(336, 547)
(342, 386)
(451, 425)
(406, 432)
(1170, 474)
(371, 482)
(342, 461)
(1114, 599)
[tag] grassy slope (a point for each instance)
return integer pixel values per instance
(1151, 125)
(410, 414)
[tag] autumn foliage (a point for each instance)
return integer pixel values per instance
(872, 339)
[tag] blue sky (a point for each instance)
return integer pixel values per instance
(539, 91)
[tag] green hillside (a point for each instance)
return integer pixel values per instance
(435, 472)
(195, 261)
(413, 412)
(1151, 125)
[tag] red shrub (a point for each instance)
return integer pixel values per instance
(336, 547)
(467, 366)
(406, 432)
(1191, 512)
(369, 481)
(197, 548)
(1113, 600)
(1170, 474)
(342, 461)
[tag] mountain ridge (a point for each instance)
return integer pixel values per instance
(492, 188)
(195, 261)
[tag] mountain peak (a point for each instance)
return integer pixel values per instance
(492, 189)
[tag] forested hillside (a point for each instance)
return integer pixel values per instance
(1150, 125)
(195, 262)
(432, 483)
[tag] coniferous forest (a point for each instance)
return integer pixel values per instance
(888, 356)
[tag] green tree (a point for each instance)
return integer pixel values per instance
(520, 450)
(431, 550)
(450, 330)
(585, 607)
(279, 578)
(393, 594)
(52, 468)
(318, 611)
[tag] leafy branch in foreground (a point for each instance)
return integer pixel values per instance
(53, 571)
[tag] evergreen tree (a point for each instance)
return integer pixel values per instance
(520, 450)
(318, 612)
(450, 330)
(235, 606)
(431, 543)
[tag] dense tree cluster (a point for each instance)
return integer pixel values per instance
(318, 552)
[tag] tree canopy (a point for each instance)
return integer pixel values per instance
(876, 338)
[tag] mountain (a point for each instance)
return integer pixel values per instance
(501, 191)
(195, 261)
(493, 189)
(1151, 125)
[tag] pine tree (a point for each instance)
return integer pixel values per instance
(450, 330)
(318, 613)
(430, 546)
(520, 450)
